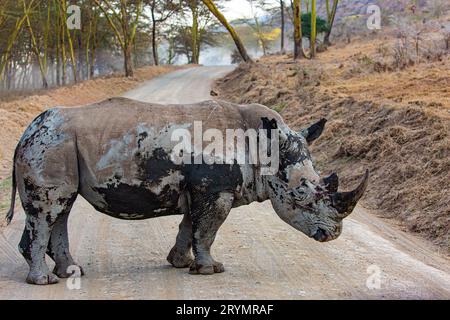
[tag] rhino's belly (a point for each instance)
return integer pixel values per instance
(135, 202)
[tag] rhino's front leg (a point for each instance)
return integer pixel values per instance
(208, 212)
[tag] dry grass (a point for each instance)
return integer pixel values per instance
(366, 70)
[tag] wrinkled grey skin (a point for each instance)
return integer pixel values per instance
(116, 155)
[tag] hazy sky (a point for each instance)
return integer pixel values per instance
(235, 9)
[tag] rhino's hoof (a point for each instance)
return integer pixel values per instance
(179, 260)
(67, 272)
(218, 267)
(42, 279)
(197, 268)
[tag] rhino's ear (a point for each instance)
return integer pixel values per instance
(314, 131)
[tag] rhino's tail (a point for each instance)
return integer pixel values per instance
(10, 214)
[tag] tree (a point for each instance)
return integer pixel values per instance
(283, 25)
(38, 49)
(91, 41)
(63, 13)
(330, 17)
(180, 41)
(298, 45)
(161, 11)
(34, 44)
(201, 25)
(125, 32)
(313, 29)
(195, 45)
(307, 3)
(13, 36)
(257, 28)
(239, 45)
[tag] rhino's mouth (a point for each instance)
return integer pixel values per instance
(322, 235)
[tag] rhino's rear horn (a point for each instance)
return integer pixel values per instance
(331, 182)
(345, 202)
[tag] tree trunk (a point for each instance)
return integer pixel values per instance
(94, 45)
(171, 50)
(93, 50)
(154, 44)
(313, 29)
(128, 63)
(282, 25)
(63, 55)
(80, 55)
(69, 39)
(128, 40)
(298, 45)
(331, 17)
(239, 45)
(57, 54)
(194, 33)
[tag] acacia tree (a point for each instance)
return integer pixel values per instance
(34, 44)
(180, 41)
(124, 30)
(298, 45)
(91, 41)
(188, 39)
(283, 25)
(37, 49)
(239, 45)
(257, 28)
(195, 43)
(63, 13)
(312, 52)
(331, 14)
(307, 3)
(13, 36)
(160, 11)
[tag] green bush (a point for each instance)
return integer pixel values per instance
(321, 25)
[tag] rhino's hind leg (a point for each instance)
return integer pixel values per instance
(58, 247)
(46, 210)
(33, 245)
(180, 256)
(208, 214)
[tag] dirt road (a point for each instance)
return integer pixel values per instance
(263, 256)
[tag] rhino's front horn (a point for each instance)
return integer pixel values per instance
(345, 202)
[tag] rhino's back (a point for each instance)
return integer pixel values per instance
(121, 114)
